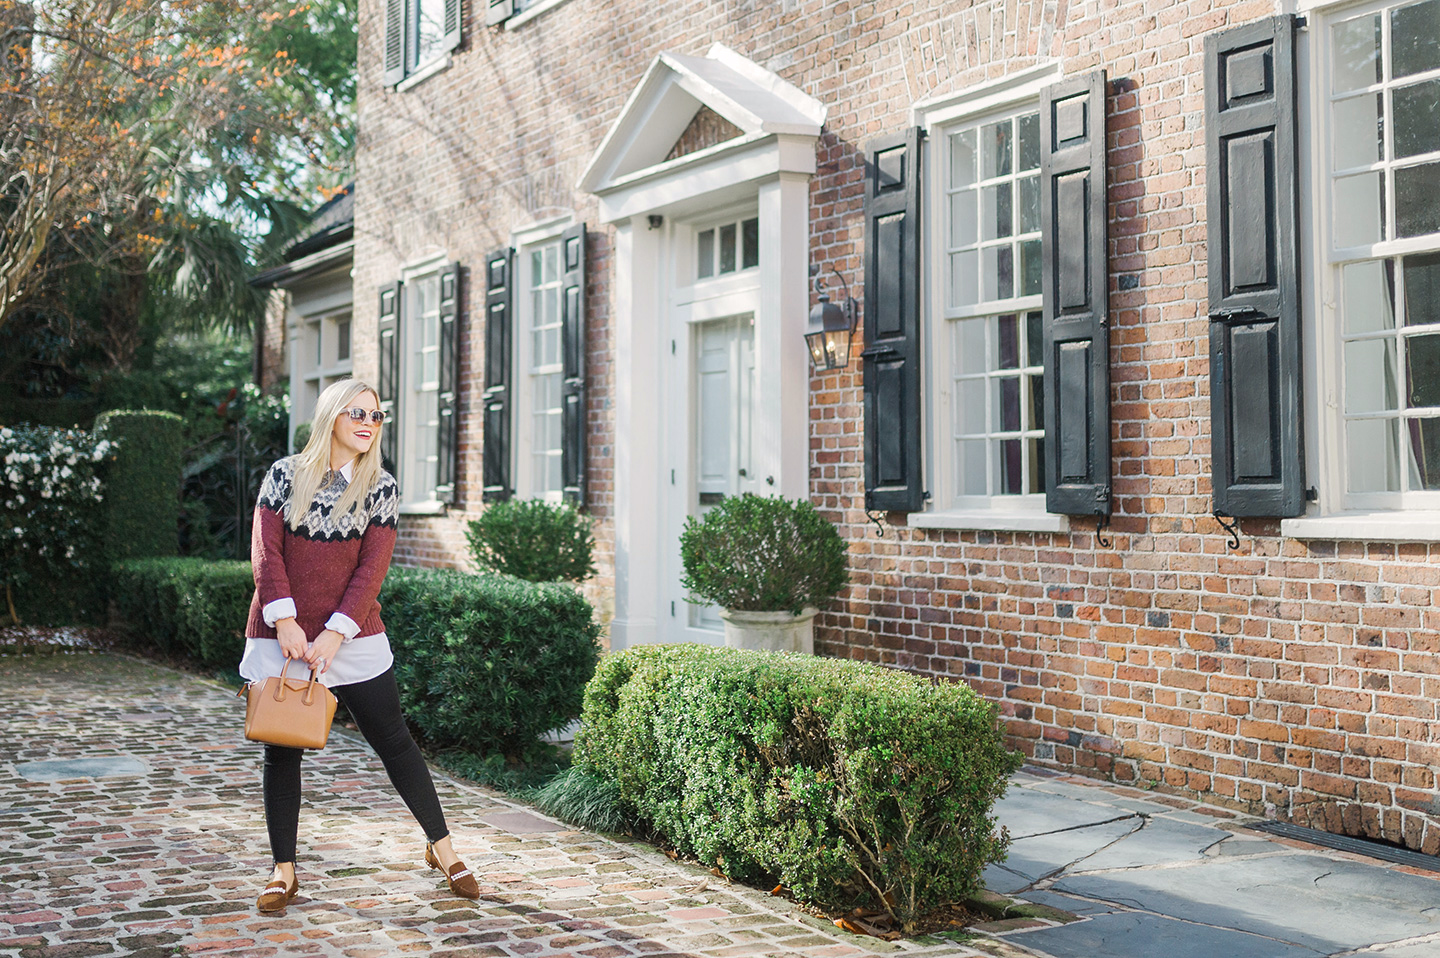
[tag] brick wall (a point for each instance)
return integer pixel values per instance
(1290, 677)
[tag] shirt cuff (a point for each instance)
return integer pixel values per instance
(277, 610)
(342, 623)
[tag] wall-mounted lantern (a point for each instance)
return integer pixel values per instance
(833, 328)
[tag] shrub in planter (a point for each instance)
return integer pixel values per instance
(851, 784)
(762, 554)
(488, 663)
(533, 539)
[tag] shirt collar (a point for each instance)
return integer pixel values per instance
(348, 470)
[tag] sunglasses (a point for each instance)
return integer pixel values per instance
(356, 414)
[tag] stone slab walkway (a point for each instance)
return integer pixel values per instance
(154, 844)
(1150, 875)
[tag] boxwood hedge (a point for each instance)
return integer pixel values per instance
(851, 784)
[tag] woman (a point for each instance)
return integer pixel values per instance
(318, 570)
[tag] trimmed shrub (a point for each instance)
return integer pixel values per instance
(194, 606)
(143, 485)
(533, 539)
(762, 554)
(851, 784)
(488, 663)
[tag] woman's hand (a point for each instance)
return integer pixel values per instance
(322, 651)
(292, 638)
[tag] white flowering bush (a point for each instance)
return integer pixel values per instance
(50, 492)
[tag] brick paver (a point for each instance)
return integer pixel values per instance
(170, 861)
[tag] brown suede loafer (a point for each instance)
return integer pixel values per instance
(462, 883)
(277, 895)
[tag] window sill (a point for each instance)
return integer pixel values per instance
(1368, 526)
(432, 508)
(520, 19)
(991, 521)
(438, 65)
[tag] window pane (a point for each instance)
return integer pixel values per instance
(1369, 296)
(1007, 342)
(1370, 380)
(970, 471)
(997, 272)
(1037, 465)
(552, 263)
(970, 347)
(995, 142)
(750, 243)
(962, 159)
(342, 346)
(1422, 289)
(963, 221)
(1358, 134)
(1422, 370)
(1357, 53)
(705, 254)
(964, 278)
(1415, 38)
(1030, 204)
(997, 215)
(1028, 127)
(1034, 340)
(1372, 453)
(970, 407)
(1359, 219)
(1009, 468)
(1007, 405)
(1417, 118)
(429, 29)
(1422, 447)
(727, 248)
(1417, 199)
(1030, 274)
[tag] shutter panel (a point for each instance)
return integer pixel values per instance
(449, 403)
(498, 11)
(389, 385)
(572, 332)
(1073, 220)
(498, 397)
(1257, 452)
(454, 15)
(395, 41)
(891, 360)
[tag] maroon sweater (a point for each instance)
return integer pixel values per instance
(332, 563)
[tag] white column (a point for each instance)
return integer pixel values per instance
(781, 359)
(637, 430)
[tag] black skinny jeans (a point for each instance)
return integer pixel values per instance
(375, 705)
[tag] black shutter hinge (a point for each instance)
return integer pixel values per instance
(1229, 524)
(1312, 494)
(1102, 522)
(876, 516)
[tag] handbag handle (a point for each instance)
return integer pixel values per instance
(309, 696)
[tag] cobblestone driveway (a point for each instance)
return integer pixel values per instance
(164, 853)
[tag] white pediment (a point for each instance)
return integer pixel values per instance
(674, 88)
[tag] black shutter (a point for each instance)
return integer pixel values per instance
(891, 360)
(389, 385)
(498, 320)
(395, 40)
(449, 402)
(498, 11)
(572, 332)
(453, 19)
(1073, 220)
(1257, 452)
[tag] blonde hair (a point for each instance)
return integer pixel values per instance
(312, 464)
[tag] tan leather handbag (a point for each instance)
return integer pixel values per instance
(293, 712)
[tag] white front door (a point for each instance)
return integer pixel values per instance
(723, 458)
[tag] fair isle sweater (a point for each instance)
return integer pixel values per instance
(330, 569)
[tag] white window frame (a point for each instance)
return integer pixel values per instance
(415, 501)
(995, 100)
(533, 9)
(525, 242)
(324, 318)
(1337, 513)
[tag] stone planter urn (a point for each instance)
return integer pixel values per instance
(771, 631)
